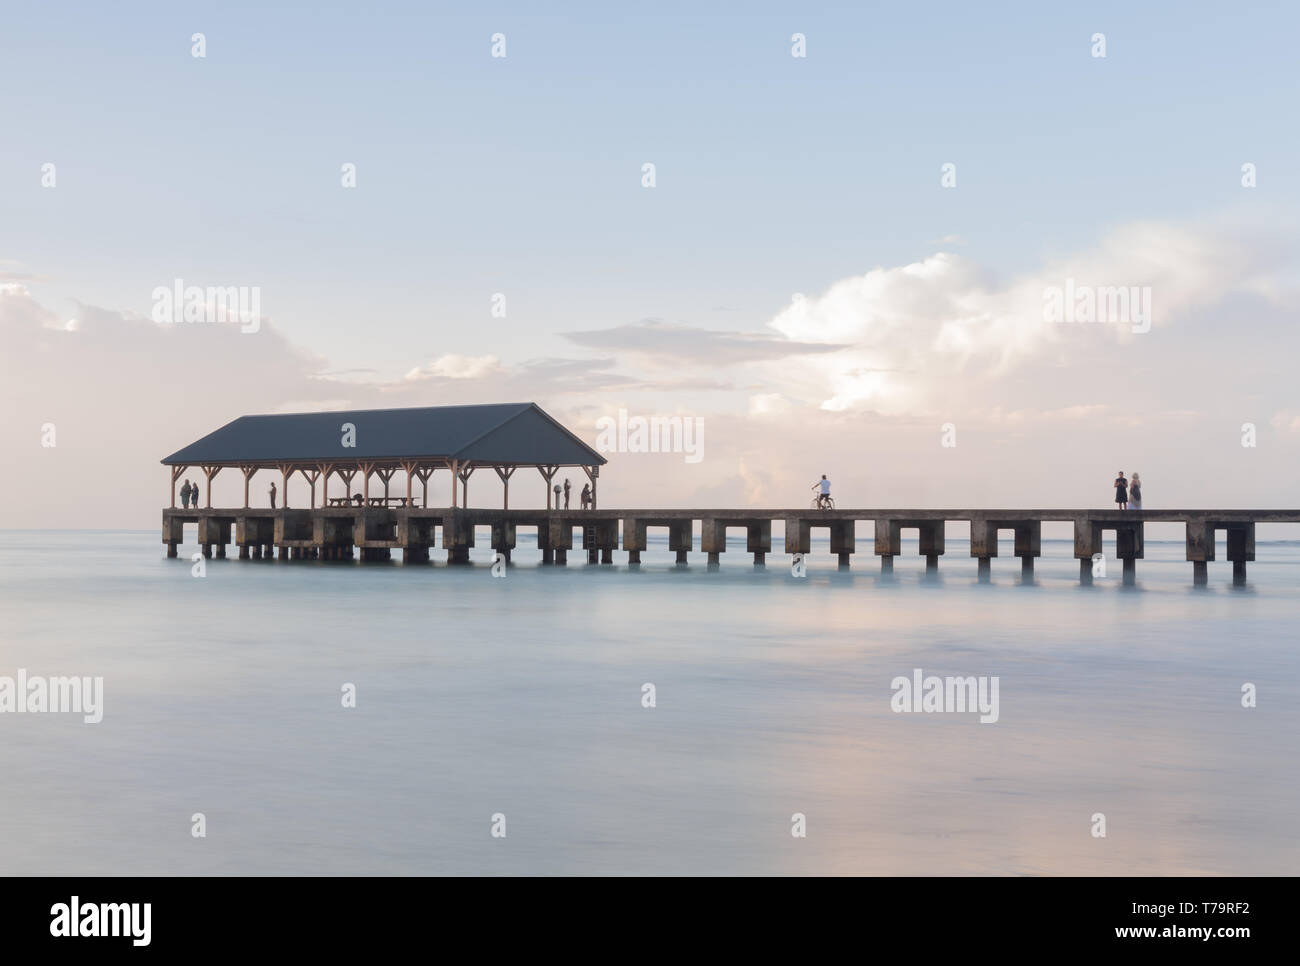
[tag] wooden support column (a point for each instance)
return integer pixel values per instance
(455, 475)
(286, 471)
(248, 472)
(386, 474)
(211, 473)
(505, 475)
(176, 475)
(366, 470)
(325, 470)
(346, 474)
(466, 471)
(408, 468)
(548, 472)
(424, 472)
(311, 478)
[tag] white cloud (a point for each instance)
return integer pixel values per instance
(453, 366)
(917, 331)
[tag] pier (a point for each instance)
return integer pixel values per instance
(373, 533)
(422, 443)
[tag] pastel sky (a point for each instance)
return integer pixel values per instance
(798, 277)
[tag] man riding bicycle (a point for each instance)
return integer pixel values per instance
(824, 497)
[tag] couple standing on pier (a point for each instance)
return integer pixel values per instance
(584, 496)
(189, 492)
(1128, 495)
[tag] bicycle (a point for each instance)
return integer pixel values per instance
(820, 503)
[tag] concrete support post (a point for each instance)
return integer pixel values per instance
(1087, 541)
(173, 533)
(984, 546)
(889, 544)
(1241, 548)
(843, 541)
(798, 535)
(1130, 548)
(713, 537)
(503, 538)
(1029, 544)
(634, 540)
(1200, 550)
(681, 538)
(758, 541)
(559, 538)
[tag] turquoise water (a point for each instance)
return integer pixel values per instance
(522, 696)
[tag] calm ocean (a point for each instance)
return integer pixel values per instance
(523, 696)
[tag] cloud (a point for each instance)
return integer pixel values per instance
(854, 381)
(916, 334)
(676, 342)
(456, 367)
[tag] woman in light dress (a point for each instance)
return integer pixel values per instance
(1135, 493)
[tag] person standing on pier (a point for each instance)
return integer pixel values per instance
(824, 497)
(566, 493)
(1135, 493)
(585, 495)
(1121, 491)
(185, 494)
(273, 494)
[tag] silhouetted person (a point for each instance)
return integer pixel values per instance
(585, 495)
(1121, 491)
(566, 493)
(1135, 493)
(185, 494)
(272, 496)
(824, 497)
(358, 499)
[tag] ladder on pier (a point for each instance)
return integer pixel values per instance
(589, 541)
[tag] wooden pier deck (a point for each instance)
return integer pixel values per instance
(338, 533)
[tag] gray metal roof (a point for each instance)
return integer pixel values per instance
(500, 433)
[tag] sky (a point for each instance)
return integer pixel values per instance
(799, 279)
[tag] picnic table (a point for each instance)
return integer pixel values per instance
(378, 501)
